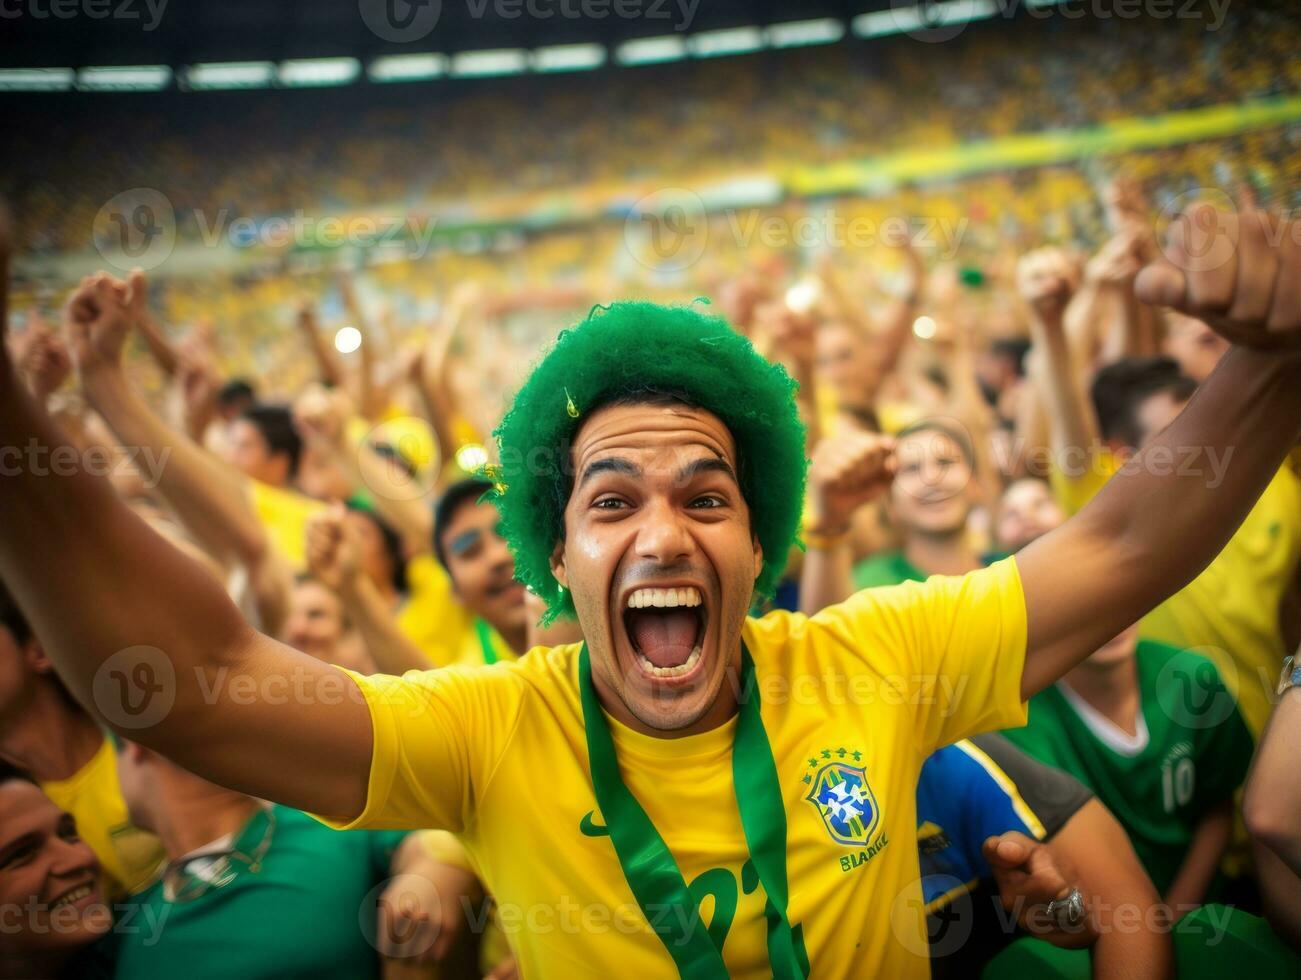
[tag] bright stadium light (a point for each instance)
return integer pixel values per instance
(230, 74)
(124, 78)
(924, 328)
(347, 340)
(651, 50)
(569, 57)
(898, 20)
(318, 71)
(407, 67)
(35, 79)
(498, 61)
(798, 33)
(733, 40)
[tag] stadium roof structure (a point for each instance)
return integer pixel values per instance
(187, 45)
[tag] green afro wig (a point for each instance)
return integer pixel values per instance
(622, 352)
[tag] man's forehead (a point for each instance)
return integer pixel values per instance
(670, 435)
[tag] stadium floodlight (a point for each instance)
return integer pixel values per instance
(798, 33)
(230, 74)
(497, 61)
(347, 340)
(407, 67)
(124, 78)
(35, 79)
(732, 40)
(651, 50)
(898, 20)
(318, 71)
(569, 57)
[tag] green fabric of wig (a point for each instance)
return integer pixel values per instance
(622, 352)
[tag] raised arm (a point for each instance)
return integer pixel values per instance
(159, 346)
(848, 471)
(1156, 525)
(148, 637)
(209, 497)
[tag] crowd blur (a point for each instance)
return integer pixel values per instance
(343, 498)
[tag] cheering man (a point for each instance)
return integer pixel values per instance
(692, 791)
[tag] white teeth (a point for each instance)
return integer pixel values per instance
(76, 895)
(665, 598)
(677, 671)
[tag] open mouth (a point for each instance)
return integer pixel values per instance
(666, 628)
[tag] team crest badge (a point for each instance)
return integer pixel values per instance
(840, 792)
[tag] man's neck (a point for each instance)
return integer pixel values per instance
(1110, 689)
(941, 554)
(189, 814)
(50, 738)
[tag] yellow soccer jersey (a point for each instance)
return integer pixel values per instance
(853, 700)
(284, 514)
(128, 856)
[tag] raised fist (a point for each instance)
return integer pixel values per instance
(97, 319)
(1046, 279)
(848, 471)
(1240, 273)
(332, 550)
(42, 359)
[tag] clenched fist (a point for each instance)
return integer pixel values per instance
(848, 471)
(1241, 273)
(1028, 878)
(97, 319)
(332, 550)
(1046, 279)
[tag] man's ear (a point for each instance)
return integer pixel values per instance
(558, 564)
(758, 555)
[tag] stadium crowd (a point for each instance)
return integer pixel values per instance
(1036, 474)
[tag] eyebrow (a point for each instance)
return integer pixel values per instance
(711, 464)
(611, 464)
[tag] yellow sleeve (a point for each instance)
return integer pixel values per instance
(954, 645)
(437, 738)
(284, 514)
(1073, 492)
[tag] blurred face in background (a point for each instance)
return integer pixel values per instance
(931, 493)
(248, 451)
(1194, 345)
(845, 362)
(1027, 511)
(49, 875)
(15, 675)
(376, 561)
(315, 624)
(1154, 413)
(1115, 651)
(481, 567)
